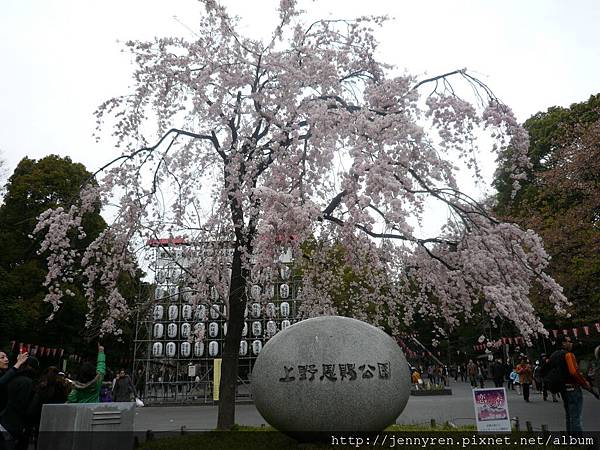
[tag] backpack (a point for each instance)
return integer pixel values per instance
(555, 373)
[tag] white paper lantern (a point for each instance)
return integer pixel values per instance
(173, 293)
(284, 291)
(213, 329)
(157, 349)
(285, 324)
(225, 329)
(255, 291)
(285, 272)
(285, 309)
(186, 349)
(200, 312)
(214, 312)
(271, 328)
(186, 295)
(171, 349)
(255, 310)
(267, 274)
(213, 348)
(175, 275)
(172, 330)
(157, 314)
(186, 328)
(243, 348)
(186, 312)
(270, 290)
(256, 347)
(214, 294)
(245, 329)
(198, 349)
(173, 312)
(256, 329)
(160, 276)
(159, 329)
(271, 310)
(160, 293)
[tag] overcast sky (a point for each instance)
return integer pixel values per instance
(60, 59)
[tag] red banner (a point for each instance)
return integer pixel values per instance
(586, 330)
(575, 332)
(597, 325)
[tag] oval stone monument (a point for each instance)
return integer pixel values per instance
(330, 374)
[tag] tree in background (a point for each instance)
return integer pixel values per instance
(561, 201)
(263, 145)
(34, 187)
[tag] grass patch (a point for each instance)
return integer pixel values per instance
(267, 438)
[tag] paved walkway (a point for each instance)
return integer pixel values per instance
(457, 408)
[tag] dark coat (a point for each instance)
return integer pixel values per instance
(4, 379)
(19, 393)
(43, 395)
(497, 371)
(123, 390)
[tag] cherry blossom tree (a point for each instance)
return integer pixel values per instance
(259, 146)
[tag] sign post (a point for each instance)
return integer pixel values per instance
(491, 410)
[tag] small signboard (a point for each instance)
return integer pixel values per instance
(216, 379)
(491, 410)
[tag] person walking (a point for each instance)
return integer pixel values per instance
(514, 378)
(564, 362)
(416, 379)
(537, 377)
(597, 371)
(480, 374)
(123, 388)
(497, 372)
(544, 368)
(525, 376)
(87, 388)
(472, 373)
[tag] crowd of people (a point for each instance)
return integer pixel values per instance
(24, 392)
(521, 376)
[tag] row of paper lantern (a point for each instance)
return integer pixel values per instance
(172, 292)
(213, 329)
(284, 271)
(175, 274)
(185, 349)
(256, 291)
(216, 311)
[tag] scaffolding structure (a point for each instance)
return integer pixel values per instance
(171, 368)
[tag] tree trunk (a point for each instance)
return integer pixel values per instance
(235, 324)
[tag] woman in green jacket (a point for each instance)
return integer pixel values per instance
(87, 389)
